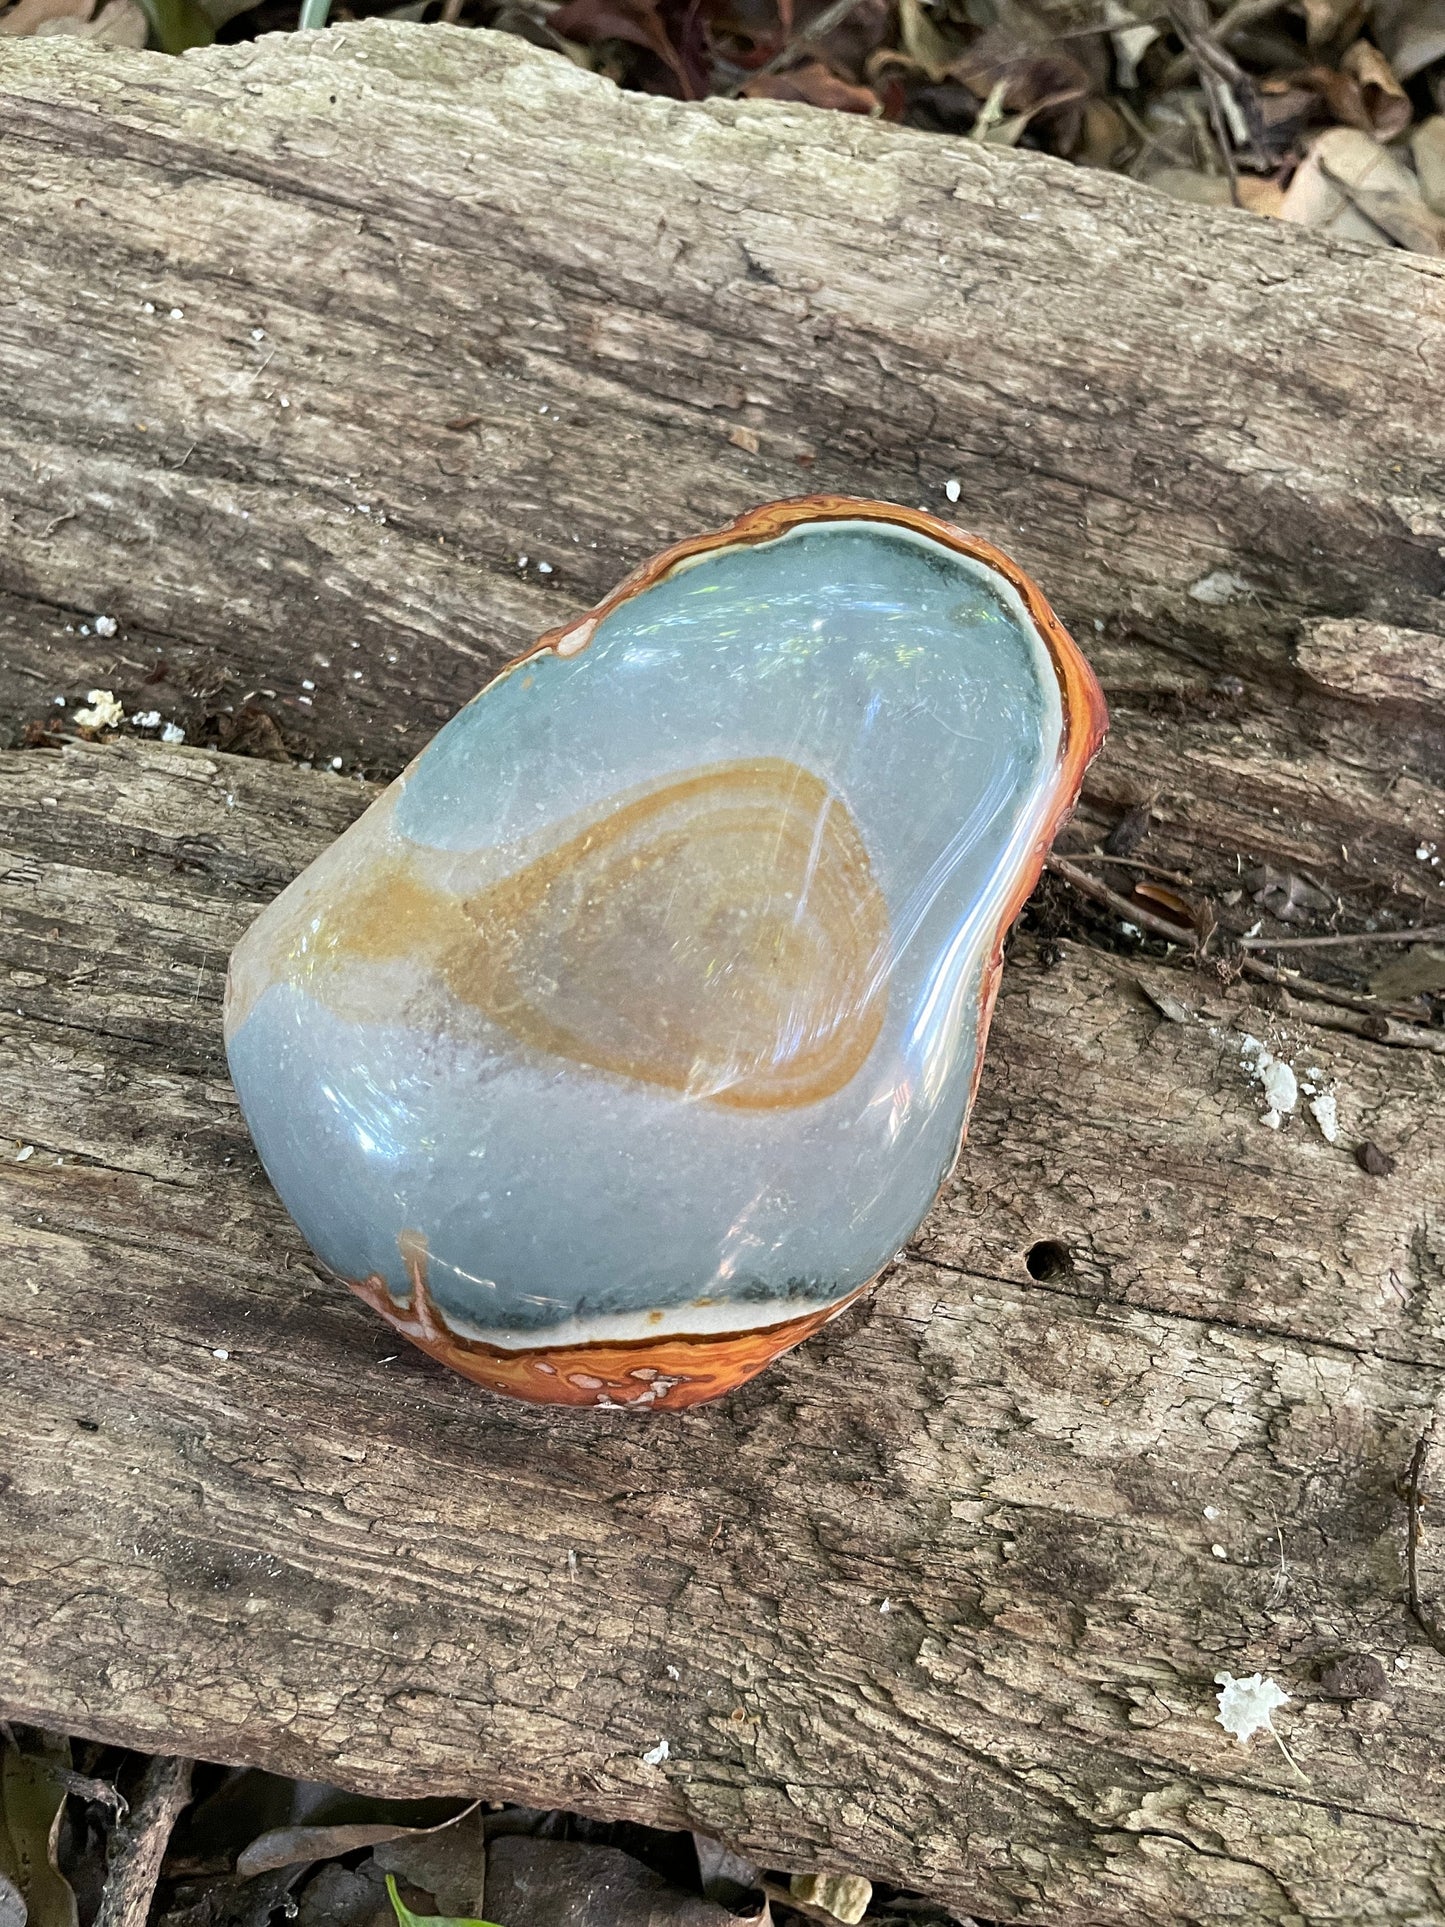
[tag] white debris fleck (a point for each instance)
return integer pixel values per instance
(1276, 1080)
(173, 733)
(1245, 1705)
(1211, 1512)
(544, 568)
(258, 334)
(148, 307)
(1219, 1552)
(886, 1606)
(219, 1351)
(1425, 852)
(673, 1673)
(1130, 929)
(1281, 1087)
(104, 711)
(178, 314)
(952, 488)
(106, 625)
(1218, 587)
(1325, 1113)
(306, 683)
(25, 1152)
(655, 1755)
(146, 719)
(1271, 1120)
(336, 762)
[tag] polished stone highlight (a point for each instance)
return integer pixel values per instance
(634, 1028)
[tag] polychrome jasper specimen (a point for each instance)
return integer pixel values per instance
(632, 1031)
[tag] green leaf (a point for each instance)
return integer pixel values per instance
(406, 1918)
(178, 24)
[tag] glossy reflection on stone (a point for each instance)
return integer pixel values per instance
(628, 1035)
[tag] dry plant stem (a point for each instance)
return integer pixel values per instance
(1251, 966)
(1426, 1621)
(140, 1844)
(1434, 933)
(1218, 69)
(1131, 863)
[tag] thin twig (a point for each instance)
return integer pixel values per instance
(1291, 980)
(1431, 935)
(140, 1842)
(1424, 1620)
(1131, 863)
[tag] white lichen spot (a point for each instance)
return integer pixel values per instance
(104, 711)
(655, 1755)
(173, 733)
(146, 719)
(1325, 1112)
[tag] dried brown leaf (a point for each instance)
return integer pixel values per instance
(1386, 104)
(636, 21)
(1324, 192)
(818, 85)
(290, 1846)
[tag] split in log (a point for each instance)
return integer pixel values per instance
(941, 1598)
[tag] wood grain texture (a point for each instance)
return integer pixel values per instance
(238, 1519)
(941, 1590)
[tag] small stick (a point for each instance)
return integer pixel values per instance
(1131, 863)
(1433, 934)
(1088, 886)
(140, 1842)
(1425, 1621)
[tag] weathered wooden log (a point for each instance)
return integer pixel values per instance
(943, 1597)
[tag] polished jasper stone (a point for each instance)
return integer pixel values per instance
(635, 1026)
